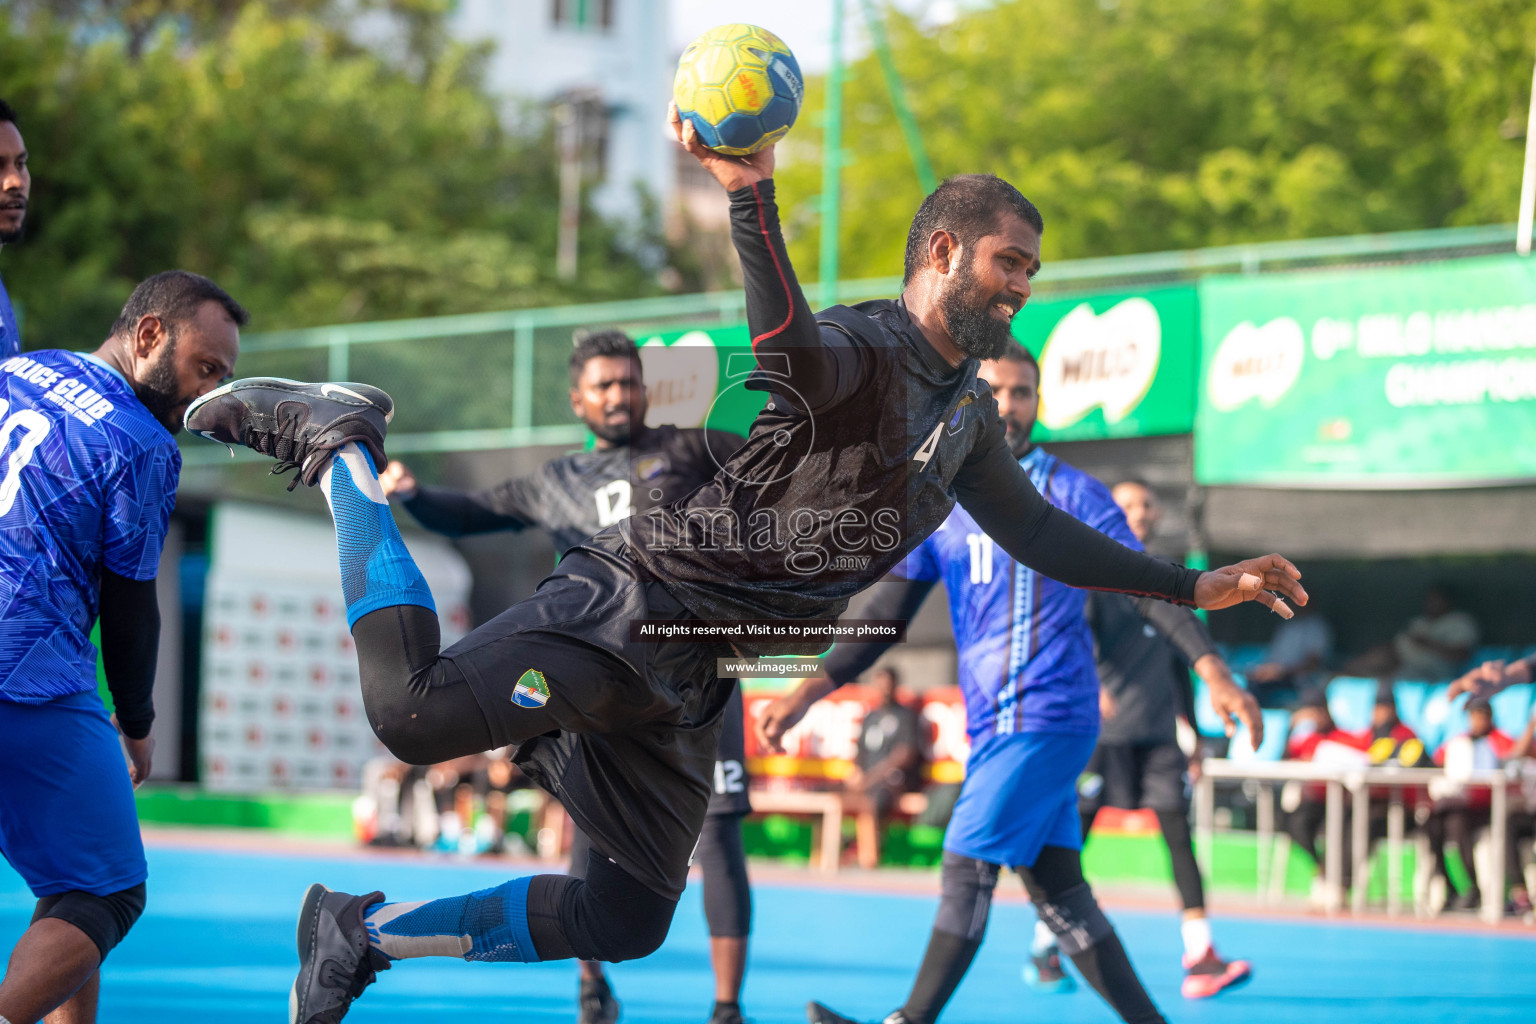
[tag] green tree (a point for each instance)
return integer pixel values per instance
(317, 180)
(1141, 125)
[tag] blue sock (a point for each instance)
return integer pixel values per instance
(376, 569)
(491, 924)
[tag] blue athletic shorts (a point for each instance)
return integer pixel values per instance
(67, 817)
(1020, 794)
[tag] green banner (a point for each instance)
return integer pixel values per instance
(1120, 364)
(694, 378)
(1117, 364)
(1421, 376)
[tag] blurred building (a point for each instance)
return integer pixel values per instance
(605, 66)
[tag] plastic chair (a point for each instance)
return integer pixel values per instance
(1350, 701)
(1410, 697)
(1512, 708)
(1441, 718)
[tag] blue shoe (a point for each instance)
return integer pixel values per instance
(1044, 973)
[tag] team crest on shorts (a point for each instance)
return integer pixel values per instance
(531, 691)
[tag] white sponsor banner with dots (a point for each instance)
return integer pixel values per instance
(280, 707)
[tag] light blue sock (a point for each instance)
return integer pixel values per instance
(491, 924)
(376, 569)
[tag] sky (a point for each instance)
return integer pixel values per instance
(806, 25)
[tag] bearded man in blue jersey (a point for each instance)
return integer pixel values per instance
(88, 474)
(15, 190)
(1032, 710)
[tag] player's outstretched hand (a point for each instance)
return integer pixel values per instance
(1489, 678)
(1267, 580)
(1231, 702)
(785, 713)
(732, 172)
(397, 481)
(140, 754)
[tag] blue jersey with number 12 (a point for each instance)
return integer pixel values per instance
(1026, 654)
(87, 481)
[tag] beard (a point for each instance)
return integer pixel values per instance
(969, 320)
(159, 389)
(614, 433)
(1016, 434)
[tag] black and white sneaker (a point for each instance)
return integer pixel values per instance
(815, 1013)
(297, 424)
(335, 961)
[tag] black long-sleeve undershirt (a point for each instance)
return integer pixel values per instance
(997, 492)
(456, 513)
(130, 648)
(1181, 626)
(894, 598)
(822, 366)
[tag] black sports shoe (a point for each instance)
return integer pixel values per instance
(335, 961)
(595, 1004)
(815, 1013)
(297, 424)
(726, 1013)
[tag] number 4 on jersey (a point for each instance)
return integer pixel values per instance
(924, 454)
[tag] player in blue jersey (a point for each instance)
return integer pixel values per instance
(1032, 710)
(15, 189)
(88, 472)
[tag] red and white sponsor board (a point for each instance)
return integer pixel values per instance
(822, 746)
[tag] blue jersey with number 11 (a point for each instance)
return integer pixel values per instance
(87, 481)
(1026, 654)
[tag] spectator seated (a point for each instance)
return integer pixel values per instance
(821, 752)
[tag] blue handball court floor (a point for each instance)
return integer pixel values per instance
(216, 945)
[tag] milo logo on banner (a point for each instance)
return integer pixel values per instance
(1102, 360)
(693, 378)
(680, 379)
(1255, 363)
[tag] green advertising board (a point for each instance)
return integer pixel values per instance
(1116, 364)
(694, 378)
(1408, 377)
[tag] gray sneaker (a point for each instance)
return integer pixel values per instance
(335, 961)
(297, 424)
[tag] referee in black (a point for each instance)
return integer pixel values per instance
(1145, 687)
(630, 468)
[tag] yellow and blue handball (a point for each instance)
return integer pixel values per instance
(741, 88)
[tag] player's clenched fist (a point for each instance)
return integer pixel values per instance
(1267, 580)
(398, 481)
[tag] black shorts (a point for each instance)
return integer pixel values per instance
(623, 734)
(1135, 775)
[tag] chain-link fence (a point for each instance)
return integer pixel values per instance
(498, 380)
